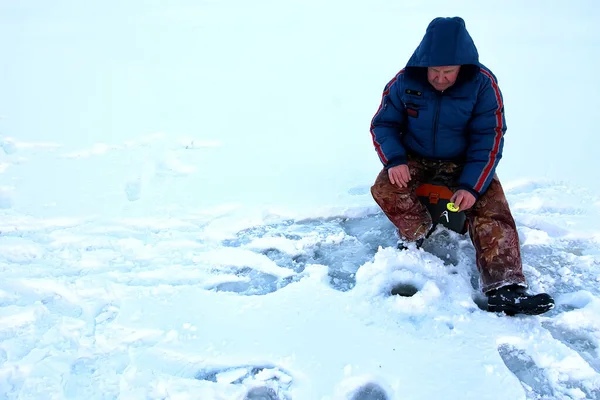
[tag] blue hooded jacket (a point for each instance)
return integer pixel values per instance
(464, 124)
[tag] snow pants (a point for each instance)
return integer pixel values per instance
(492, 228)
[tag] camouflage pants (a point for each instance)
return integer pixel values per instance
(492, 228)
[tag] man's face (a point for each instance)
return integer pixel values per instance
(441, 78)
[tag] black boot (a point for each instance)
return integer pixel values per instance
(514, 299)
(402, 245)
(419, 242)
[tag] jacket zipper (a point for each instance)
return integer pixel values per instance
(436, 118)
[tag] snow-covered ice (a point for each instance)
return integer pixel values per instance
(115, 308)
(185, 209)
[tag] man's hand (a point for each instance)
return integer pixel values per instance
(399, 175)
(463, 199)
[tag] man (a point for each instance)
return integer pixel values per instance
(442, 117)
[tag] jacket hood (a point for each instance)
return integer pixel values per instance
(446, 42)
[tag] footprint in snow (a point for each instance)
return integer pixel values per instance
(268, 382)
(133, 189)
(252, 283)
(107, 314)
(8, 145)
(535, 380)
(81, 381)
(359, 190)
(57, 304)
(581, 340)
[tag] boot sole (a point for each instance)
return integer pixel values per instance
(511, 310)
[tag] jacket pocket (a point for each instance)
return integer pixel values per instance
(413, 109)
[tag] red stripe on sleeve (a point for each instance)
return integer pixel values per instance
(497, 137)
(385, 93)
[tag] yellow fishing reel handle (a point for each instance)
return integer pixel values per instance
(452, 207)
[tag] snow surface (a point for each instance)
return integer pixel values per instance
(185, 209)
